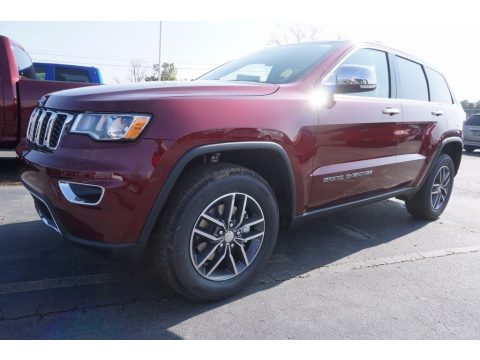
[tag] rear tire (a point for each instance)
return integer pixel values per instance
(469, 148)
(202, 250)
(432, 199)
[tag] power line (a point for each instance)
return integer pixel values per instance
(113, 59)
(120, 60)
(127, 66)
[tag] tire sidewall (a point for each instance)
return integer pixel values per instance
(181, 259)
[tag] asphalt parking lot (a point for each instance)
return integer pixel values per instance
(368, 273)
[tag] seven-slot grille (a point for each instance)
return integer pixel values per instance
(46, 126)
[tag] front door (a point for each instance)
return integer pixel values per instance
(356, 139)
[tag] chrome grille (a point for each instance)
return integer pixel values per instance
(46, 127)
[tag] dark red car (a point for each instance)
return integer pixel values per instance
(203, 174)
(19, 91)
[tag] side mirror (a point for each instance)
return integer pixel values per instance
(355, 78)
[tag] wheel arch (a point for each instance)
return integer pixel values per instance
(239, 153)
(453, 147)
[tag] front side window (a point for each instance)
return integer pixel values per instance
(375, 59)
(71, 74)
(439, 91)
(412, 83)
(24, 63)
(277, 65)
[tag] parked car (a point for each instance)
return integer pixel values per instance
(19, 91)
(203, 174)
(66, 72)
(471, 133)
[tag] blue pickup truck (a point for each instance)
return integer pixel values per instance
(70, 73)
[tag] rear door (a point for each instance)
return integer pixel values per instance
(355, 139)
(420, 117)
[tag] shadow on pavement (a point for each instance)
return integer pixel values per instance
(9, 171)
(138, 304)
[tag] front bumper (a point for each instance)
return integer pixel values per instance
(47, 214)
(128, 173)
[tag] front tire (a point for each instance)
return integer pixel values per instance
(432, 199)
(216, 233)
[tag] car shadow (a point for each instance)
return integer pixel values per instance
(52, 289)
(9, 170)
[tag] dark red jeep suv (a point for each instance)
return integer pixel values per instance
(203, 174)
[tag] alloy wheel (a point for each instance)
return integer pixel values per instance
(227, 236)
(441, 187)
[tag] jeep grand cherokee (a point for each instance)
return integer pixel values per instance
(203, 174)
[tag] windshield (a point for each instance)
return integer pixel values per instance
(277, 65)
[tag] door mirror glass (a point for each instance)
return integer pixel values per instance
(355, 79)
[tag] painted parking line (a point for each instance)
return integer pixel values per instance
(99, 279)
(356, 265)
(64, 282)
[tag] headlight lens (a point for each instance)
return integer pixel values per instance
(110, 126)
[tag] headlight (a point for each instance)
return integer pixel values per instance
(110, 126)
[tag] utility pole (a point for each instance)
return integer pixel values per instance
(160, 53)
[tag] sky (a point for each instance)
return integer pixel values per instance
(198, 46)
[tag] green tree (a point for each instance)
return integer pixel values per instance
(466, 104)
(169, 72)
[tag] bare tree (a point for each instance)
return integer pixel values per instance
(137, 71)
(297, 33)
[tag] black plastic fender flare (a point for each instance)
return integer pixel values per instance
(210, 149)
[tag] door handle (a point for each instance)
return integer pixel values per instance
(437, 112)
(391, 111)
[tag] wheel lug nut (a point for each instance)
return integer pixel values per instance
(221, 245)
(238, 233)
(220, 232)
(231, 224)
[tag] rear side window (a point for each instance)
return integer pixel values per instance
(41, 71)
(71, 74)
(473, 120)
(377, 60)
(412, 83)
(24, 63)
(439, 91)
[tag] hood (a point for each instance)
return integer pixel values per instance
(86, 98)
